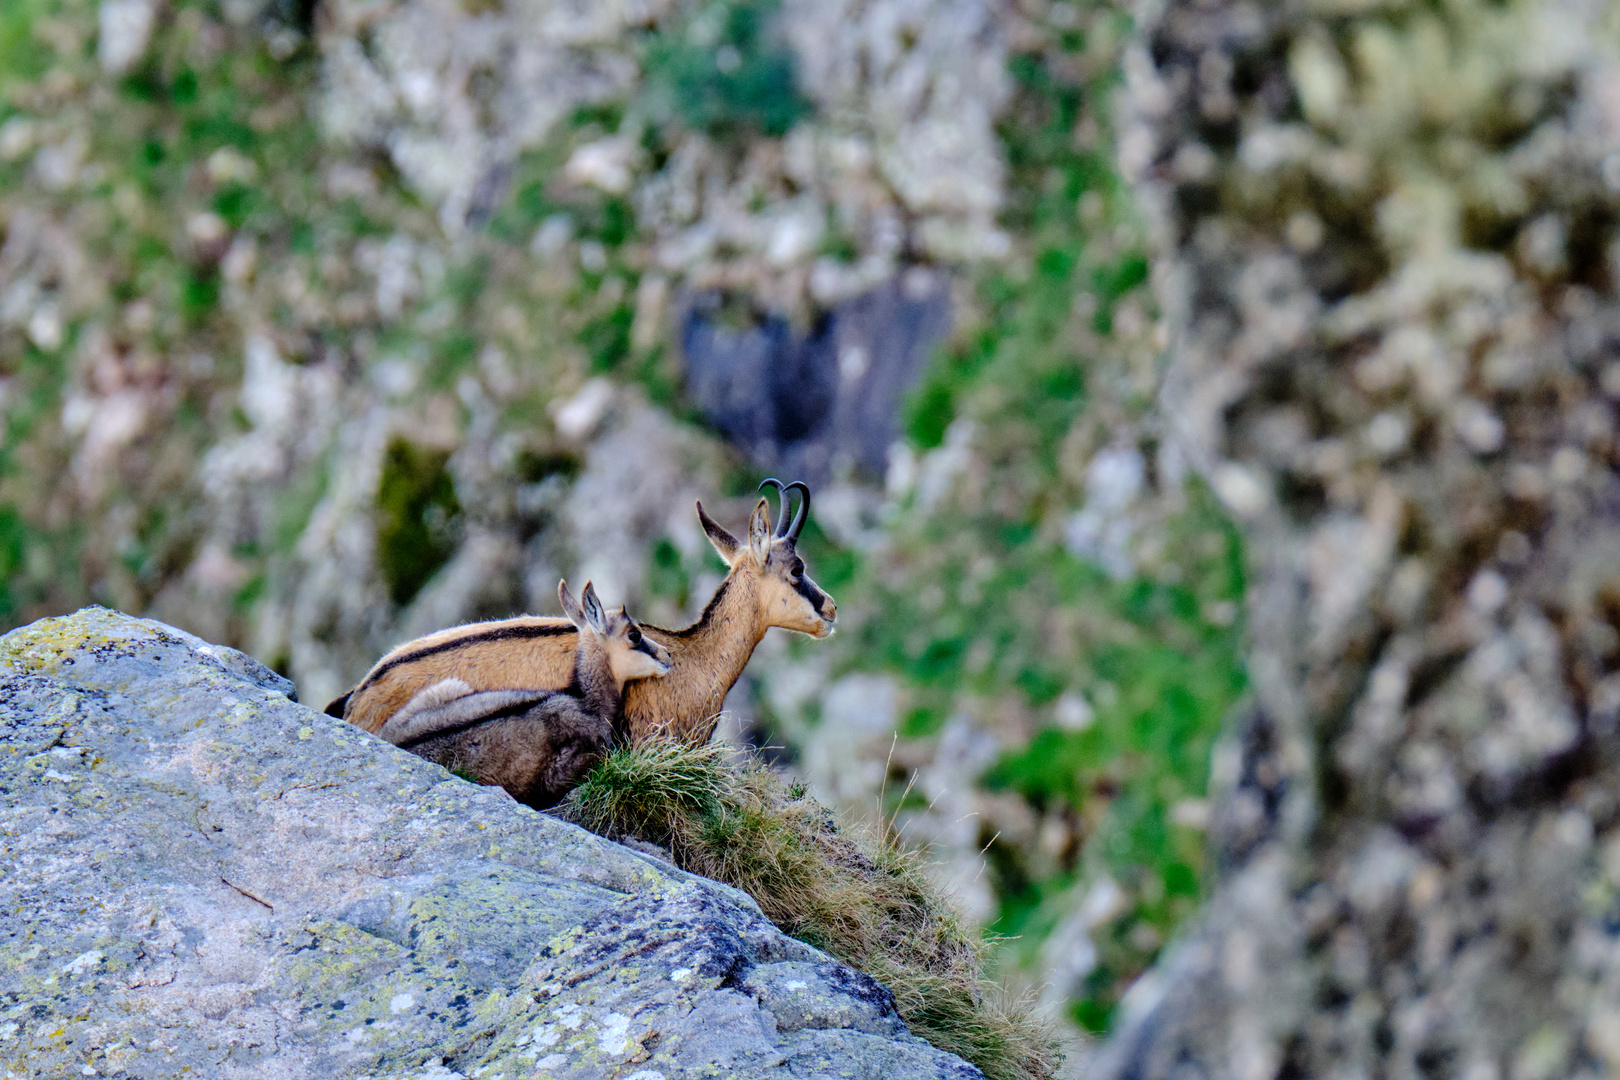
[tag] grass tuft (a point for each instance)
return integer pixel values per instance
(860, 898)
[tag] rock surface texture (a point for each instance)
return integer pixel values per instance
(1389, 269)
(200, 877)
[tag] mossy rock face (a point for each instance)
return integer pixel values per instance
(417, 513)
(201, 877)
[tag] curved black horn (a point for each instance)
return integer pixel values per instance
(782, 496)
(803, 515)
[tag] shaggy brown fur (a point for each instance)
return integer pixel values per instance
(767, 587)
(537, 744)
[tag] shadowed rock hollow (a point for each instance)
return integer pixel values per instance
(201, 877)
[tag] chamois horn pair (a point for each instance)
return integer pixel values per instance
(783, 529)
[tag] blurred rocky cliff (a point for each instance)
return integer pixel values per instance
(326, 324)
(1390, 266)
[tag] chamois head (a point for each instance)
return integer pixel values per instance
(631, 654)
(770, 561)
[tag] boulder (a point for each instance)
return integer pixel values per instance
(201, 877)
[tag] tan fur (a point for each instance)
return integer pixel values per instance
(706, 658)
(481, 665)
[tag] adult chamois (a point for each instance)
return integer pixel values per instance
(537, 744)
(766, 586)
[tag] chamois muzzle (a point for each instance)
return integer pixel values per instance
(656, 651)
(825, 608)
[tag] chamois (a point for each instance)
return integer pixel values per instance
(766, 587)
(536, 744)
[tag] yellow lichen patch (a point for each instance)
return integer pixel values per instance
(42, 646)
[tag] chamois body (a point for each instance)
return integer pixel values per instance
(766, 587)
(535, 743)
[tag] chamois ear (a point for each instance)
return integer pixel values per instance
(725, 545)
(593, 608)
(570, 606)
(759, 532)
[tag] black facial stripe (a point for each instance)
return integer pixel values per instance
(515, 709)
(648, 646)
(505, 633)
(807, 589)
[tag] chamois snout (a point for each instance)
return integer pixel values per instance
(829, 615)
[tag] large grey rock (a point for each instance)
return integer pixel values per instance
(200, 877)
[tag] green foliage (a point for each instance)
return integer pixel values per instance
(866, 902)
(13, 547)
(417, 515)
(667, 575)
(21, 57)
(721, 72)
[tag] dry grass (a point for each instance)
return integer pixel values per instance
(863, 900)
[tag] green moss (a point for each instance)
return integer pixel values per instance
(417, 516)
(720, 71)
(42, 646)
(606, 338)
(837, 243)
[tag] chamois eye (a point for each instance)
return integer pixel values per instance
(635, 636)
(798, 567)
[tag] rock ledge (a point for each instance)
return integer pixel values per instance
(200, 877)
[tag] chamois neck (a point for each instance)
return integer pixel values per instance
(724, 636)
(593, 679)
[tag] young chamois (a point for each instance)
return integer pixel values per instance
(536, 744)
(766, 587)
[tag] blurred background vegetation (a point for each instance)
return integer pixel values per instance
(326, 324)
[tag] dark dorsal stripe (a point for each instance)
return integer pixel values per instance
(529, 632)
(502, 633)
(506, 712)
(703, 620)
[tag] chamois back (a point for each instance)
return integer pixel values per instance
(529, 651)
